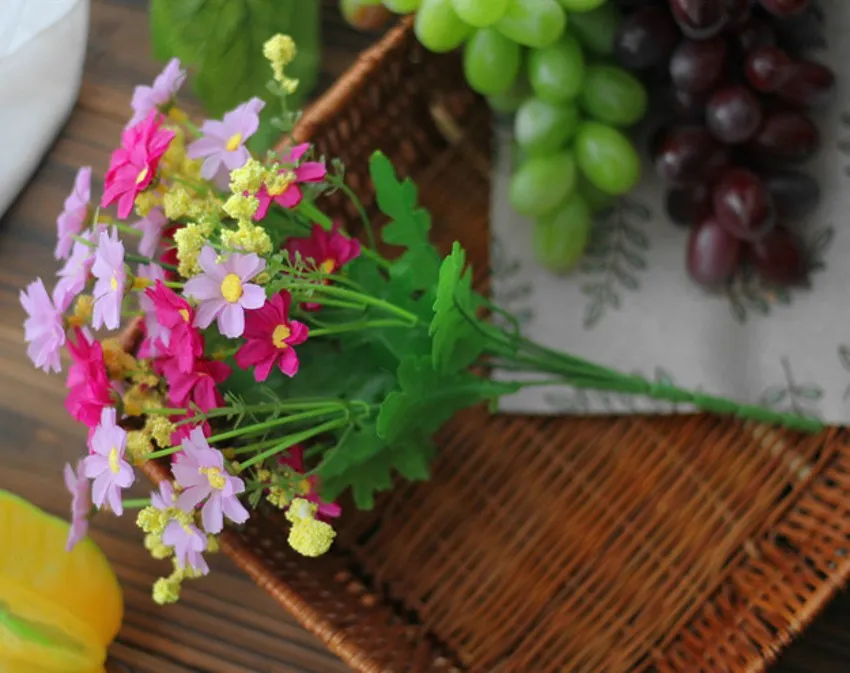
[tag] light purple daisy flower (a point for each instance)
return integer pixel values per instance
(224, 292)
(111, 277)
(151, 227)
(201, 473)
(74, 214)
(105, 463)
(78, 486)
(222, 146)
(183, 536)
(74, 275)
(157, 335)
(166, 84)
(44, 330)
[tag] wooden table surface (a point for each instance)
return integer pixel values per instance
(223, 623)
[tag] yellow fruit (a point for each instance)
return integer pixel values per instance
(58, 611)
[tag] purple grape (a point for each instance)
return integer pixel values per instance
(787, 136)
(783, 8)
(779, 257)
(699, 19)
(810, 85)
(742, 204)
(733, 114)
(698, 65)
(769, 68)
(794, 194)
(756, 33)
(646, 38)
(684, 154)
(689, 204)
(713, 253)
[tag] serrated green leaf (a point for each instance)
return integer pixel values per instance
(223, 41)
(458, 341)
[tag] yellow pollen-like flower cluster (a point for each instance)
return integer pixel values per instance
(82, 311)
(247, 237)
(152, 520)
(277, 182)
(154, 544)
(147, 201)
(189, 241)
(160, 429)
(118, 362)
(308, 536)
(177, 202)
(166, 590)
(280, 51)
(138, 446)
(212, 544)
(241, 207)
(249, 178)
(141, 397)
(172, 160)
(278, 497)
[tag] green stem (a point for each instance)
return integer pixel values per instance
(368, 300)
(166, 411)
(357, 326)
(364, 217)
(138, 503)
(200, 188)
(292, 440)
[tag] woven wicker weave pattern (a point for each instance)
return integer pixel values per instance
(686, 544)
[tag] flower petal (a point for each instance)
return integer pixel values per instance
(231, 320)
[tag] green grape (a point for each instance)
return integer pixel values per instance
(579, 6)
(480, 13)
(533, 23)
(438, 27)
(556, 72)
(541, 183)
(597, 28)
(612, 95)
(560, 237)
(363, 16)
(491, 61)
(595, 197)
(516, 94)
(402, 6)
(544, 128)
(607, 158)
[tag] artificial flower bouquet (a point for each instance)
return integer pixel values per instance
(280, 361)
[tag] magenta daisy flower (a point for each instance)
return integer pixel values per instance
(289, 194)
(157, 335)
(74, 275)
(111, 276)
(222, 146)
(132, 166)
(89, 390)
(44, 330)
(224, 292)
(202, 475)
(173, 317)
(270, 338)
(149, 98)
(78, 486)
(106, 464)
(73, 217)
(198, 386)
(151, 227)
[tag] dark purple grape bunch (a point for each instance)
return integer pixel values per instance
(740, 90)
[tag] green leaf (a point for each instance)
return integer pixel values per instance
(458, 337)
(427, 399)
(223, 41)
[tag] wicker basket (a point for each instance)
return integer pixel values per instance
(688, 544)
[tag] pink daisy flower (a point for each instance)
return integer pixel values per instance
(183, 431)
(132, 166)
(111, 276)
(44, 329)
(172, 316)
(224, 292)
(294, 459)
(290, 195)
(222, 146)
(151, 228)
(202, 475)
(73, 217)
(74, 275)
(270, 336)
(146, 99)
(88, 381)
(186, 539)
(157, 335)
(78, 486)
(106, 464)
(198, 386)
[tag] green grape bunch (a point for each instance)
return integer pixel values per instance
(547, 63)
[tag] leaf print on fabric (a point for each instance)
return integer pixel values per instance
(614, 258)
(510, 291)
(792, 395)
(844, 359)
(751, 296)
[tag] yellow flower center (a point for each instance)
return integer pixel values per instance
(231, 288)
(114, 461)
(142, 176)
(280, 335)
(113, 283)
(215, 477)
(327, 266)
(184, 313)
(234, 142)
(279, 183)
